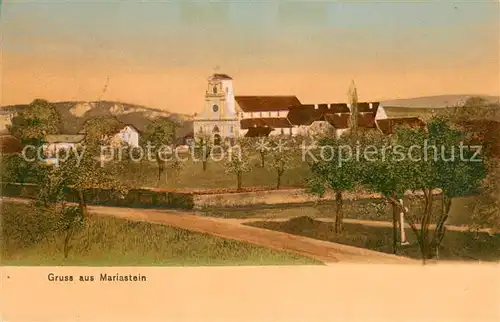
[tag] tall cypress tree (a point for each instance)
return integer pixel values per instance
(353, 101)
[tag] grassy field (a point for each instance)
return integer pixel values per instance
(192, 176)
(455, 246)
(27, 239)
(364, 209)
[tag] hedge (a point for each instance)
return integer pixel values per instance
(136, 198)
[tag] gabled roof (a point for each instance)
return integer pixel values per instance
(274, 122)
(338, 121)
(220, 76)
(405, 112)
(388, 126)
(258, 131)
(308, 113)
(336, 114)
(341, 120)
(132, 126)
(266, 103)
(365, 107)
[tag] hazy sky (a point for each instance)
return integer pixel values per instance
(160, 53)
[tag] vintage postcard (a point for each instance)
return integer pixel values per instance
(250, 160)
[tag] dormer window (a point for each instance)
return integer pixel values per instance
(215, 89)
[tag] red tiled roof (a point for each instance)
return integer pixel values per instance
(307, 114)
(366, 120)
(485, 133)
(258, 131)
(266, 103)
(10, 144)
(220, 76)
(388, 126)
(338, 121)
(341, 120)
(271, 122)
(364, 107)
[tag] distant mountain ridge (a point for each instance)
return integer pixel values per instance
(436, 101)
(75, 113)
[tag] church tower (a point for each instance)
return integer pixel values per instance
(219, 97)
(219, 118)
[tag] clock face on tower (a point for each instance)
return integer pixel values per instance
(215, 108)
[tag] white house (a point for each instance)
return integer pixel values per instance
(59, 142)
(129, 135)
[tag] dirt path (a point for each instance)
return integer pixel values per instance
(373, 223)
(227, 228)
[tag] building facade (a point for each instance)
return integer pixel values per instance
(228, 116)
(219, 117)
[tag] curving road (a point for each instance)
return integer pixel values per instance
(323, 251)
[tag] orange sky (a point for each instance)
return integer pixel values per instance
(431, 55)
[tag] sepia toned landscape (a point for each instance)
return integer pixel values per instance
(260, 149)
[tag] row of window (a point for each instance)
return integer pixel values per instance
(264, 114)
(215, 129)
(214, 90)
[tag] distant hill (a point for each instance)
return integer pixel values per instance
(74, 114)
(436, 101)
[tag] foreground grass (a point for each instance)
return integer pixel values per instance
(455, 246)
(363, 209)
(27, 239)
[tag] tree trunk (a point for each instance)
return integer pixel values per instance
(204, 163)
(67, 240)
(395, 221)
(441, 225)
(424, 229)
(262, 160)
(278, 182)
(161, 170)
(238, 178)
(339, 226)
(81, 203)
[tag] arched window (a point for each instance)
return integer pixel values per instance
(215, 89)
(216, 129)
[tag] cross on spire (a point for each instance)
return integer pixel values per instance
(216, 69)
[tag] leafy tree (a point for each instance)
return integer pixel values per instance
(38, 119)
(30, 126)
(71, 221)
(450, 169)
(480, 120)
(82, 173)
(16, 168)
(335, 168)
(203, 147)
(99, 132)
(385, 173)
(237, 161)
(262, 146)
(160, 137)
(282, 151)
(486, 213)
